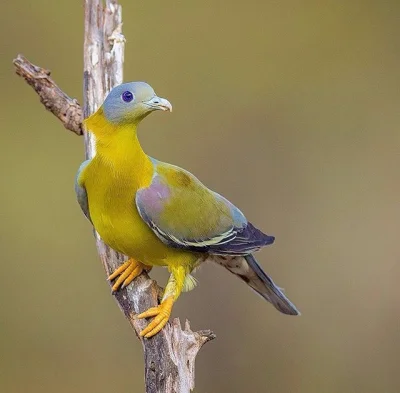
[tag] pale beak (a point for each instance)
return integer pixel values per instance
(158, 103)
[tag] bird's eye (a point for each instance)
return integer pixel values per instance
(127, 96)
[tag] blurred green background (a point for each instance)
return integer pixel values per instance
(291, 110)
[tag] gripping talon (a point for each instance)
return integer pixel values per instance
(123, 277)
(126, 273)
(131, 277)
(151, 331)
(119, 270)
(161, 314)
(151, 312)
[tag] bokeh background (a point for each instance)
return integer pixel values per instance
(291, 110)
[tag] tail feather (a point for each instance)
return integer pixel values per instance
(251, 272)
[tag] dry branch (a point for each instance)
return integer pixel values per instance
(51, 96)
(170, 355)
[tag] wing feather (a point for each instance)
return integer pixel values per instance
(185, 214)
(81, 193)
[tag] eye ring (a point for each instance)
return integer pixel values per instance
(127, 96)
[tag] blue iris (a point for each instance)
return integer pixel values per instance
(127, 96)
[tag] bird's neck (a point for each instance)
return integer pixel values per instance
(118, 147)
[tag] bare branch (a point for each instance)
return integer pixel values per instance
(52, 97)
(170, 355)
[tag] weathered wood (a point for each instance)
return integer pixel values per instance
(170, 355)
(51, 96)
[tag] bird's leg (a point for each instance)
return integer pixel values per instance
(127, 272)
(163, 311)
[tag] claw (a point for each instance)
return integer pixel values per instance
(161, 314)
(127, 272)
(131, 277)
(119, 270)
(130, 269)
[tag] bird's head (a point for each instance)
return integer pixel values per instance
(129, 103)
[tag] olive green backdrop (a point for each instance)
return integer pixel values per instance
(291, 110)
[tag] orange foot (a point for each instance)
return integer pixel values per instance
(161, 314)
(127, 272)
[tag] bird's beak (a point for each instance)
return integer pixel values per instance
(158, 103)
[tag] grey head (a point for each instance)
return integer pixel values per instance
(131, 102)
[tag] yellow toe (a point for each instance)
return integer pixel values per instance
(131, 277)
(126, 273)
(161, 314)
(120, 270)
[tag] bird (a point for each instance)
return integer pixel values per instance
(159, 214)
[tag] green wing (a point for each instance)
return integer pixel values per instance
(80, 191)
(184, 213)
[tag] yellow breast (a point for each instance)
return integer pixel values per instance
(111, 197)
(111, 180)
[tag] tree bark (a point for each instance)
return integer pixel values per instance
(169, 356)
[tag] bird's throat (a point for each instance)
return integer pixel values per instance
(118, 148)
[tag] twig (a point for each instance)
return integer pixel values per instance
(51, 96)
(170, 355)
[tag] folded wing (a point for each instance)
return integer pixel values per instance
(184, 213)
(80, 191)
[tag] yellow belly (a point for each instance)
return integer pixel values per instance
(115, 217)
(124, 231)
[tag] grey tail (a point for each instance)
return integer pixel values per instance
(264, 285)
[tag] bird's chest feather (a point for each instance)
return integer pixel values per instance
(111, 195)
